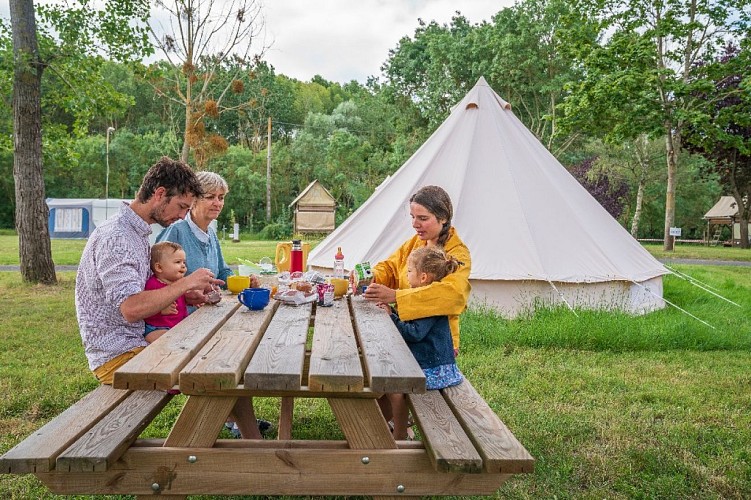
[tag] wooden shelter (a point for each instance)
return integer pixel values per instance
(724, 213)
(314, 210)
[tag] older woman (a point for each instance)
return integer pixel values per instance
(431, 211)
(201, 245)
(195, 234)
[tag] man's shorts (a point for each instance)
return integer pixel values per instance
(106, 373)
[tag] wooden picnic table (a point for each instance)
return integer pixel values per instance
(349, 354)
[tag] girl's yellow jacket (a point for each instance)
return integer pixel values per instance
(447, 297)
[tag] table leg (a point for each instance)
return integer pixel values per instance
(363, 426)
(198, 426)
(200, 421)
(285, 418)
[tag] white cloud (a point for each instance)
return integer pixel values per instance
(344, 40)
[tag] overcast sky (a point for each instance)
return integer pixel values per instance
(344, 40)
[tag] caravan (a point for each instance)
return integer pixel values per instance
(73, 218)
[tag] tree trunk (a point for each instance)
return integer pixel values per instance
(32, 213)
(637, 209)
(671, 144)
(744, 233)
(744, 210)
(643, 158)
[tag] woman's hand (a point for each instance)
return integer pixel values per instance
(380, 293)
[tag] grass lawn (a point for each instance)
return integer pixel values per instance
(611, 406)
(68, 252)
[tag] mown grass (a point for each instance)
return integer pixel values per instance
(68, 252)
(697, 251)
(611, 406)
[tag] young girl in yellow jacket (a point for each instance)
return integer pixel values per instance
(429, 339)
(431, 211)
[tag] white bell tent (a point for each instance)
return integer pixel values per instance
(536, 236)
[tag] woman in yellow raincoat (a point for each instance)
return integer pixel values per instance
(431, 211)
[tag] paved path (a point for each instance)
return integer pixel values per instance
(705, 262)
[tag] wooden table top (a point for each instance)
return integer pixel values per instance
(351, 349)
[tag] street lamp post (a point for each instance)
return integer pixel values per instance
(107, 176)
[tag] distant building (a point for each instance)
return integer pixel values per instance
(724, 213)
(314, 210)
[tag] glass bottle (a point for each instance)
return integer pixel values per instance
(339, 264)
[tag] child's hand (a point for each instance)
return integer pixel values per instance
(380, 293)
(170, 309)
(385, 307)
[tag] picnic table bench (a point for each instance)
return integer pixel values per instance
(349, 354)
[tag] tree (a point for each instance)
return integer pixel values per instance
(634, 163)
(203, 39)
(31, 211)
(79, 31)
(642, 75)
(722, 134)
(609, 192)
(521, 54)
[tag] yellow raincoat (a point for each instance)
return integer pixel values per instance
(440, 298)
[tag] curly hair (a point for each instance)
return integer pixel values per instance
(175, 176)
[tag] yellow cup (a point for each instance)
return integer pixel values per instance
(237, 284)
(340, 286)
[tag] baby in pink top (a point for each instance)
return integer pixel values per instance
(168, 266)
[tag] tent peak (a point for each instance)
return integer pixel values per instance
(473, 96)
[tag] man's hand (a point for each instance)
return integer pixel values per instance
(200, 283)
(202, 279)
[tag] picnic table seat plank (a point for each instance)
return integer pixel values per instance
(280, 356)
(498, 447)
(449, 447)
(106, 441)
(385, 352)
(158, 367)
(334, 359)
(38, 452)
(221, 362)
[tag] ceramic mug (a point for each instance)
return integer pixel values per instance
(237, 284)
(254, 298)
(340, 286)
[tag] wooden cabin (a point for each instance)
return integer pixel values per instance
(314, 210)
